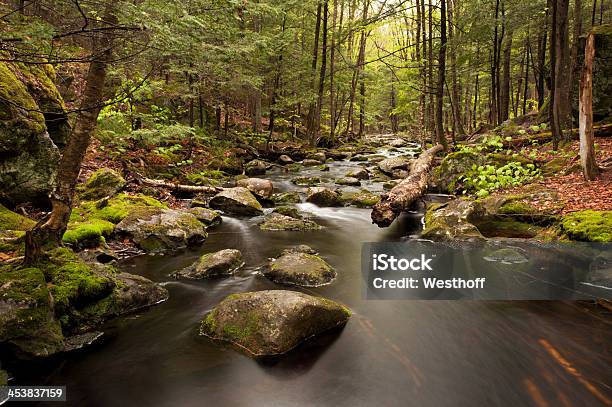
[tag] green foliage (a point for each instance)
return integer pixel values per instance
(13, 221)
(483, 179)
(589, 225)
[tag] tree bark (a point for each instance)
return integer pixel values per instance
(406, 192)
(587, 148)
(560, 108)
(505, 89)
(50, 232)
(317, 121)
(457, 122)
(441, 77)
(332, 67)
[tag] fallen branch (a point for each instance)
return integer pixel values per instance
(406, 192)
(190, 189)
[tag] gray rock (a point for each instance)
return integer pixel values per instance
(157, 229)
(395, 166)
(322, 196)
(348, 181)
(453, 221)
(236, 201)
(259, 187)
(308, 162)
(222, 263)
(291, 197)
(361, 158)
(319, 156)
(306, 181)
(272, 322)
(301, 269)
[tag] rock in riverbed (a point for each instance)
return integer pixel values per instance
(222, 263)
(207, 216)
(277, 221)
(286, 198)
(301, 268)
(360, 173)
(236, 201)
(395, 166)
(261, 188)
(354, 182)
(156, 229)
(267, 323)
(322, 196)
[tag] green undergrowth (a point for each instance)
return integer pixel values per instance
(589, 225)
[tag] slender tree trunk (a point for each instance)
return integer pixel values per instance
(310, 118)
(51, 231)
(505, 89)
(430, 81)
(357, 73)
(494, 63)
(315, 133)
(420, 28)
(457, 122)
(587, 148)
(574, 62)
(526, 85)
(541, 68)
(560, 113)
(441, 77)
(332, 67)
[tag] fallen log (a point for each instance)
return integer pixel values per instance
(189, 189)
(406, 192)
(599, 131)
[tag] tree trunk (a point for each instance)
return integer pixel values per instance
(505, 89)
(430, 81)
(332, 67)
(541, 67)
(587, 148)
(317, 121)
(406, 192)
(494, 63)
(51, 231)
(310, 118)
(560, 111)
(441, 77)
(457, 122)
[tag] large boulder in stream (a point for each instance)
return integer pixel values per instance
(222, 263)
(453, 221)
(237, 201)
(397, 167)
(273, 322)
(322, 196)
(261, 188)
(29, 140)
(300, 266)
(256, 167)
(156, 229)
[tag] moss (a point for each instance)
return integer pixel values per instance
(13, 221)
(11, 241)
(88, 234)
(72, 282)
(288, 211)
(589, 225)
(113, 210)
(102, 183)
(493, 227)
(362, 199)
(514, 206)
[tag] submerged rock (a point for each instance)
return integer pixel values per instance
(291, 211)
(308, 162)
(297, 267)
(222, 263)
(104, 182)
(267, 323)
(157, 229)
(236, 201)
(322, 196)
(361, 199)
(261, 188)
(277, 221)
(208, 217)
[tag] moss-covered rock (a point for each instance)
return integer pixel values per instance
(283, 198)
(361, 199)
(360, 173)
(157, 230)
(348, 181)
(222, 263)
(396, 167)
(306, 181)
(267, 323)
(290, 211)
(278, 222)
(91, 233)
(261, 188)
(322, 196)
(453, 221)
(453, 166)
(13, 221)
(104, 182)
(256, 167)
(295, 267)
(28, 155)
(208, 217)
(589, 225)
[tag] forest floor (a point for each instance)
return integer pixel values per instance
(575, 193)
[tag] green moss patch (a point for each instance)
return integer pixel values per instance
(13, 221)
(589, 225)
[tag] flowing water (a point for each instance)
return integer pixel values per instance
(391, 353)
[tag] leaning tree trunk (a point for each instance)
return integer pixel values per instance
(51, 231)
(406, 192)
(587, 149)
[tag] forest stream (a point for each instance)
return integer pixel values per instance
(431, 353)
